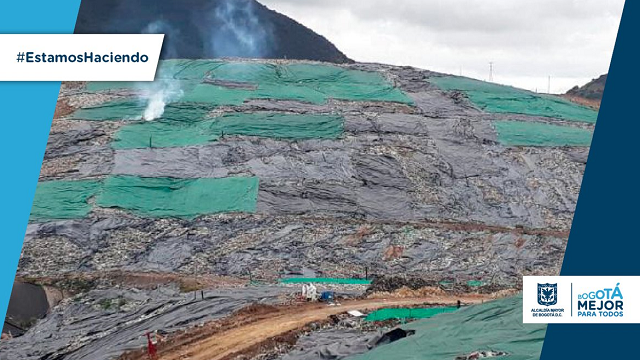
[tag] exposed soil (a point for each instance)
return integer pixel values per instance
(592, 103)
(252, 327)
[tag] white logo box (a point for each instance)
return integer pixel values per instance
(581, 299)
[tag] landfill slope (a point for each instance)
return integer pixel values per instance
(422, 185)
(258, 171)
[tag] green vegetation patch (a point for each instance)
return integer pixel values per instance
(418, 313)
(520, 133)
(496, 325)
(58, 200)
(496, 98)
(326, 281)
(184, 198)
(171, 133)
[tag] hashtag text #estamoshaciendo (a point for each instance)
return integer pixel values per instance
(87, 57)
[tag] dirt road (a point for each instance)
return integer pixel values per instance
(223, 345)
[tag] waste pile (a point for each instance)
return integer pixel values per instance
(260, 166)
(261, 169)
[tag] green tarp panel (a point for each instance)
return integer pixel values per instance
(315, 83)
(521, 133)
(133, 110)
(184, 70)
(471, 283)
(187, 69)
(112, 110)
(184, 198)
(418, 313)
(57, 200)
(215, 95)
(495, 325)
(326, 281)
(496, 98)
(272, 125)
(310, 82)
(221, 95)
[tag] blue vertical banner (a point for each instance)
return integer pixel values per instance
(604, 236)
(25, 120)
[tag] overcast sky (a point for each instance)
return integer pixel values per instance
(528, 40)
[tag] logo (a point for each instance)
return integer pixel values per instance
(547, 294)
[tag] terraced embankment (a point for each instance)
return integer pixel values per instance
(263, 170)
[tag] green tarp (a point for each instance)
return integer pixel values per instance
(418, 313)
(309, 82)
(495, 325)
(272, 125)
(325, 281)
(496, 98)
(520, 133)
(112, 110)
(134, 109)
(232, 83)
(57, 200)
(152, 197)
(185, 198)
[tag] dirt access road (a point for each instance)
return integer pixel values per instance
(226, 344)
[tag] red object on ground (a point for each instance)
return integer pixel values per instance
(153, 352)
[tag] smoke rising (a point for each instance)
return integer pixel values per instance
(164, 89)
(157, 95)
(228, 28)
(238, 31)
(170, 33)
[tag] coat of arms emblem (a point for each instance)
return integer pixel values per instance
(547, 294)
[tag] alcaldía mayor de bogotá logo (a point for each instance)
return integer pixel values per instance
(547, 297)
(547, 294)
(601, 303)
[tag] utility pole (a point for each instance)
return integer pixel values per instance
(549, 85)
(491, 71)
(195, 280)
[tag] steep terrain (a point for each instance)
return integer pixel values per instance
(589, 94)
(592, 90)
(197, 29)
(428, 182)
(263, 170)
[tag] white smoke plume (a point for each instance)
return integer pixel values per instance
(230, 28)
(157, 95)
(164, 89)
(239, 32)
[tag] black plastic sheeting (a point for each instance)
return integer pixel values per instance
(105, 323)
(28, 303)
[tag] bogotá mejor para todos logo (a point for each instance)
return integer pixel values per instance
(601, 303)
(547, 294)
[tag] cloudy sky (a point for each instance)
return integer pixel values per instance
(528, 40)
